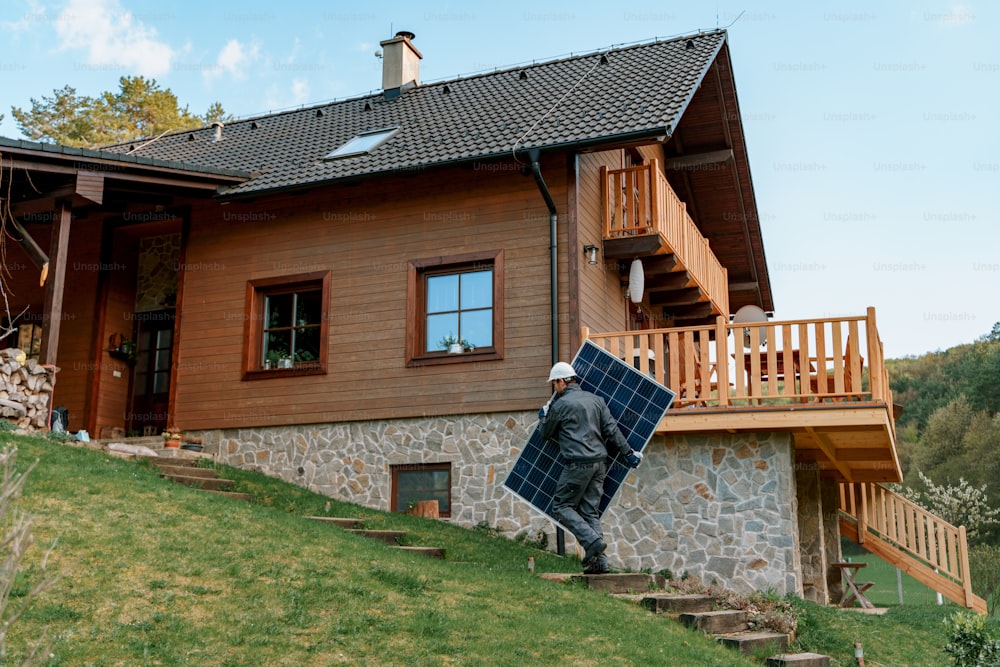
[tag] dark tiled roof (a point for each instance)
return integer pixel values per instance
(632, 91)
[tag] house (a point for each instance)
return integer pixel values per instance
(288, 286)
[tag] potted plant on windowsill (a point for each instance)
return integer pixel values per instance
(455, 345)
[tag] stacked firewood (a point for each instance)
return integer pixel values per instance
(25, 390)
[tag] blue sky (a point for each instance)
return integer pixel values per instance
(872, 127)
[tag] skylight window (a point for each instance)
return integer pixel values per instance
(363, 143)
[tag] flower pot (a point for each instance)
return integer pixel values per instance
(172, 444)
(455, 348)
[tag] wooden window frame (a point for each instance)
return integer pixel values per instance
(419, 467)
(253, 328)
(416, 307)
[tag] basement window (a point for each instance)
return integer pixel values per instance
(363, 143)
(412, 483)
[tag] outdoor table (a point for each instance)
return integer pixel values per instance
(855, 589)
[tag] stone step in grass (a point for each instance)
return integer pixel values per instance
(755, 643)
(666, 603)
(624, 583)
(341, 522)
(203, 483)
(716, 622)
(799, 660)
(187, 471)
(235, 495)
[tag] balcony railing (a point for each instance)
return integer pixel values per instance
(738, 365)
(638, 201)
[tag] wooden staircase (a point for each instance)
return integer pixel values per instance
(907, 536)
(393, 538)
(698, 612)
(186, 471)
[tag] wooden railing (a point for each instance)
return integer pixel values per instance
(727, 364)
(638, 201)
(930, 549)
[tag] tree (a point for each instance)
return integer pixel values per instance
(140, 108)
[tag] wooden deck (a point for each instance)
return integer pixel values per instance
(822, 380)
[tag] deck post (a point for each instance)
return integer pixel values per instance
(722, 360)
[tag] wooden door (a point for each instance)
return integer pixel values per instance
(151, 376)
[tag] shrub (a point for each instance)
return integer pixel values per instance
(970, 642)
(984, 561)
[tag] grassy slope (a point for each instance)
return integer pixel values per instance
(158, 574)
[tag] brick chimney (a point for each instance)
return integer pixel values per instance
(400, 64)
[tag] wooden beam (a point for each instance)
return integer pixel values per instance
(696, 160)
(826, 445)
(750, 286)
(672, 298)
(667, 281)
(90, 185)
(55, 286)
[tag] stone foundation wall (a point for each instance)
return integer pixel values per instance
(25, 390)
(718, 507)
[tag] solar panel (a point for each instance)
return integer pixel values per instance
(636, 401)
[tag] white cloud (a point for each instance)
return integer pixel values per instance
(296, 95)
(112, 38)
(233, 60)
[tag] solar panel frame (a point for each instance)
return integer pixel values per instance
(636, 401)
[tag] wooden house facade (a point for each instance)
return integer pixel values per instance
(284, 286)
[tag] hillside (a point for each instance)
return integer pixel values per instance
(155, 573)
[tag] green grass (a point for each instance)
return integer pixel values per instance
(159, 574)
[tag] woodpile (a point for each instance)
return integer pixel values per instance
(25, 390)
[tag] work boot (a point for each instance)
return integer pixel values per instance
(598, 566)
(593, 550)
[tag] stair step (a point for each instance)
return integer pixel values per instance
(665, 603)
(340, 522)
(390, 537)
(799, 660)
(430, 552)
(235, 495)
(716, 622)
(621, 583)
(750, 643)
(161, 461)
(202, 482)
(188, 471)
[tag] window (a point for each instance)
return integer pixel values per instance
(364, 142)
(287, 325)
(455, 300)
(412, 483)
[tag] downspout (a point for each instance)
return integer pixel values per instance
(536, 171)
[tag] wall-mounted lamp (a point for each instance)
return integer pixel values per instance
(591, 252)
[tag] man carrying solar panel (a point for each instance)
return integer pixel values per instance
(587, 435)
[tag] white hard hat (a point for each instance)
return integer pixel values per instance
(561, 371)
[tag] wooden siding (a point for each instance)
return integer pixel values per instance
(365, 235)
(602, 298)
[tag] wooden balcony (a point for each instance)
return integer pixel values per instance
(823, 380)
(643, 217)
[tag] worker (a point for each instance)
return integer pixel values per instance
(581, 424)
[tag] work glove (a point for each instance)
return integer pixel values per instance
(544, 410)
(633, 459)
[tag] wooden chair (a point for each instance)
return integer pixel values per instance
(824, 385)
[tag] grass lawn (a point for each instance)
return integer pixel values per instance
(155, 573)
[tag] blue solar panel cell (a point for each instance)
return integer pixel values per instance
(635, 400)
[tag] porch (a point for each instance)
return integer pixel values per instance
(822, 380)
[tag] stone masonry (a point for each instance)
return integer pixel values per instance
(720, 506)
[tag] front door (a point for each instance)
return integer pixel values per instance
(151, 378)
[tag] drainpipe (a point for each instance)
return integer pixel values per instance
(536, 170)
